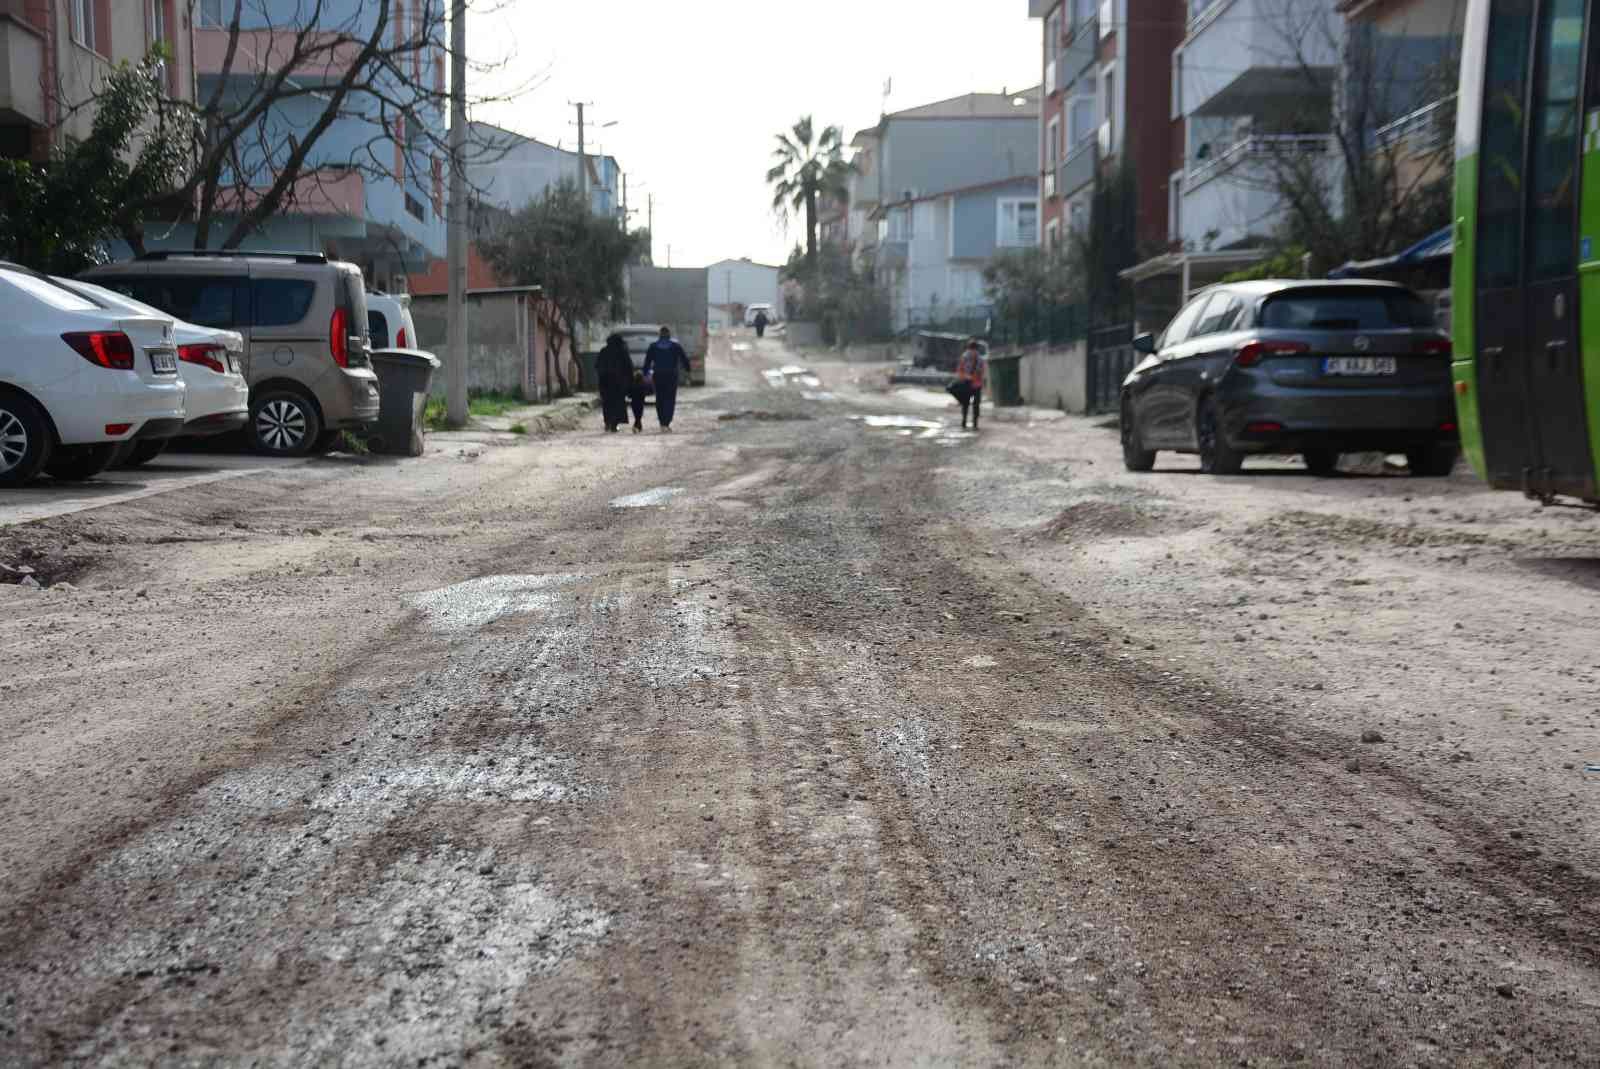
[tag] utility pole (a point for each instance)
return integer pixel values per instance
(456, 221)
(624, 202)
(583, 162)
(651, 223)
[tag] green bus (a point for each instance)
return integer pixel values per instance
(1526, 263)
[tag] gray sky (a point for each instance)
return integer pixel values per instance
(698, 88)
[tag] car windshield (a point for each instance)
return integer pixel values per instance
(1346, 309)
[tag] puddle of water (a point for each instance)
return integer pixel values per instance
(818, 395)
(793, 369)
(811, 381)
(908, 422)
(774, 378)
(476, 602)
(742, 347)
(648, 499)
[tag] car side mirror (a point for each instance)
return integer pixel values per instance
(1144, 343)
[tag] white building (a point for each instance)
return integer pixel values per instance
(745, 282)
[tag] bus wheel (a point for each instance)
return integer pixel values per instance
(1434, 461)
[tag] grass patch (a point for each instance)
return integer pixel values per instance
(481, 404)
(519, 428)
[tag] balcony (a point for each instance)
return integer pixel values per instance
(1255, 150)
(21, 71)
(1260, 57)
(1428, 128)
(1233, 197)
(1077, 170)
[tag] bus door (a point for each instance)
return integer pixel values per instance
(1530, 369)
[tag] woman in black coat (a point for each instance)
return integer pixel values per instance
(614, 370)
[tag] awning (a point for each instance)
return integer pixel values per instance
(1436, 246)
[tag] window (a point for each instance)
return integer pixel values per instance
(1177, 84)
(1175, 206)
(1080, 121)
(378, 329)
(1082, 12)
(1052, 36)
(210, 302)
(1500, 168)
(1346, 309)
(1108, 108)
(415, 209)
(1052, 148)
(80, 14)
(1552, 205)
(899, 225)
(211, 14)
(281, 302)
(1222, 311)
(1019, 222)
(1181, 323)
(1052, 234)
(1078, 216)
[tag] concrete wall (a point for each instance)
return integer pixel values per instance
(934, 155)
(1056, 377)
(802, 334)
(499, 344)
(745, 283)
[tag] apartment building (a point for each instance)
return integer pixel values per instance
(507, 170)
(53, 54)
(951, 183)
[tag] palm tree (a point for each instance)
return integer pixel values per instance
(806, 170)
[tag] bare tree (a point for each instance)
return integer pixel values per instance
(371, 73)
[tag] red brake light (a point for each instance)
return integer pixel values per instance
(210, 356)
(108, 348)
(339, 338)
(1435, 347)
(1252, 353)
(400, 339)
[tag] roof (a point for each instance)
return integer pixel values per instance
(1439, 245)
(977, 106)
(940, 194)
(745, 261)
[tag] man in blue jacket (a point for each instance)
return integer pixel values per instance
(661, 362)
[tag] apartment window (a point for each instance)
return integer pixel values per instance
(1019, 222)
(1108, 106)
(415, 209)
(1080, 121)
(81, 15)
(1082, 12)
(1175, 206)
(899, 228)
(211, 14)
(1177, 84)
(1052, 35)
(1078, 216)
(1052, 146)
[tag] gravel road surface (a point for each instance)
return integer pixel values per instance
(818, 732)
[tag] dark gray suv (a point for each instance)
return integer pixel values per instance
(1286, 366)
(304, 321)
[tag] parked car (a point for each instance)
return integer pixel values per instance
(79, 380)
(1286, 366)
(304, 322)
(750, 314)
(389, 323)
(211, 364)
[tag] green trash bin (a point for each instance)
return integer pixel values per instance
(586, 365)
(404, 378)
(1005, 379)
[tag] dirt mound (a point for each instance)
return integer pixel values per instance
(1352, 529)
(1096, 519)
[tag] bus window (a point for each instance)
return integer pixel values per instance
(1500, 191)
(1554, 177)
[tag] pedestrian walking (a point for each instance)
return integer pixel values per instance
(613, 369)
(662, 363)
(638, 390)
(761, 322)
(968, 387)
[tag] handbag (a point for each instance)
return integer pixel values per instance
(960, 389)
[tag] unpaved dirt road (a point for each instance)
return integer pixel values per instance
(814, 733)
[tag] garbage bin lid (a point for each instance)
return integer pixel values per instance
(414, 357)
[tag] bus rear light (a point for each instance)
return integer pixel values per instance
(1252, 353)
(1435, 347)
(1449, 428)
(1263, 428)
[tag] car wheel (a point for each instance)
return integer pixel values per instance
(1434, 461)
(1321, 461)
(284, 424)
(25, 442)
(74, 463)
(1217, 457)
(1135, 457)
(144, 452)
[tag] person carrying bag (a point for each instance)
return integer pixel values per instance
(968, 387)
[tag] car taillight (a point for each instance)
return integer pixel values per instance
(338, 338)
(108, 348)
(1252, 353)
(1435, 347)
(400, 339)
(211, 356)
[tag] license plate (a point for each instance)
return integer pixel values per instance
(163, 361)
(1359, 365)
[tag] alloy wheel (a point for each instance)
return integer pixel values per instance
(13, 440)
(281, 424)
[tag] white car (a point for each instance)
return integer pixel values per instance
(389, 321)
(750, 314)
(78, 379)
(210, 362)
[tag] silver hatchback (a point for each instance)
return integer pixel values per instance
(1287, 366)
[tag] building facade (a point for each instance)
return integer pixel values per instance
(54, 53)
(949, 184)
(508, 170)
(737, 284)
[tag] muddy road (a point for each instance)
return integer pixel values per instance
(817, 732)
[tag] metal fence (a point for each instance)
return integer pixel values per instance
(1110, 357)
(1036, 324)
